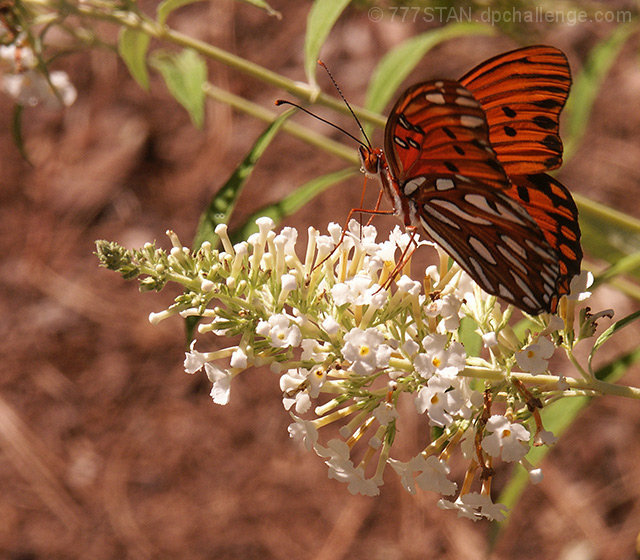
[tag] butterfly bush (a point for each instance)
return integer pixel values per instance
(357, 344)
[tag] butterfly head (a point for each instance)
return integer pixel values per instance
(371, 159)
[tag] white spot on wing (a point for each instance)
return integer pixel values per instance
(470, 121)
(436, 98)
(480, 202)
(481, 249)
(515, 247)
(504, 292)
(438, 216)
(485, 284)
(539, 250)
(466, 101)
(512, 258)
(522, 285)
(411, 186)
(443, 184)
(457, 211)
(400, 142)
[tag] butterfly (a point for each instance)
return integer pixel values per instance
(465, 162)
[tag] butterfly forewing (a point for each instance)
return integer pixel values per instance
(522, 93)
(437, 128)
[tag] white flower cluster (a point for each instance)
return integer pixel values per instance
(23, 80)
(352, 335)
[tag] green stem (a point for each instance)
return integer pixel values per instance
(301, 90)
(259, 112)
(591, 384)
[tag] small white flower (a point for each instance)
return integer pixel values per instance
(314, 350)
(32, 88)
(303, 432)
(221, 379)
(359, 291)
(280, 330)
(385, 412)
(535, 357)
(484, 506)
(578, 289)
(330, 325)
(544, 437)
(446, 362)
(434, 399)
(430, 474)
(289, 282)
(238, 359)
(194, 360)
(291, 384)
(365, 350)
(490, 340)
(506, 439)
(342, 469)
(408, 286)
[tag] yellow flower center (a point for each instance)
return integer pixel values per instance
(364, 350)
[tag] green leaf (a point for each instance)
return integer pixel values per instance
(167, 6)
(469, 338)
(185, 74)
(607, 233)
(557, 417)
(587, 84)
(224, 201)
(321, 18)
(399, 62)
(264, 6)
(132, 47)
(16, 132)
(606, 335)
(292, 203)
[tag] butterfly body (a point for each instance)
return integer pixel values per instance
(464, 161)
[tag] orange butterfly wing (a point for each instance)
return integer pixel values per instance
(437, 148)
(522, 93)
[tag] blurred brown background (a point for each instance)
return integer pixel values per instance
(109, 450)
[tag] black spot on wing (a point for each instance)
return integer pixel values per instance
(544, 122)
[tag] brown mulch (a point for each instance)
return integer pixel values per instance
(108, 450)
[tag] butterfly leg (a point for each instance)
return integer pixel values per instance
(345, 228)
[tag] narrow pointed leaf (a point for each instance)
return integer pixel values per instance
(168, 6)
(608, 234)
(132, 47)
(587, 84)
(606, 335)
(322, 17)
(224, 201)
(399, 62)
(264, 6)
(16, 132)
(185, 74)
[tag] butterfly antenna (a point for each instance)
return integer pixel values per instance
(345, 102)
(285, 102)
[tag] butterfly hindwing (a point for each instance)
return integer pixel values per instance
(522, 93)
(551, 206)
